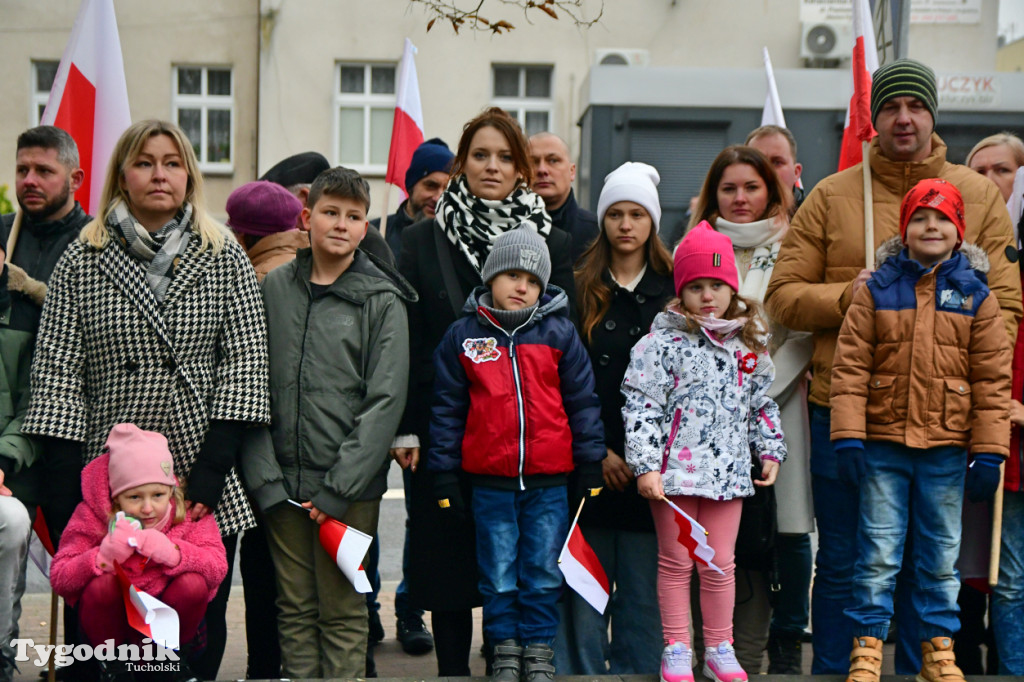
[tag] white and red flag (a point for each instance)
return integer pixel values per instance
(772, 112)
(149, 615)
(347, 546)
(582, 571)
(89, 97)
(407, 128)
(858, 128)
(693, 536)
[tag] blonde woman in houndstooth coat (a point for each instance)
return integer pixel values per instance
(154, 317)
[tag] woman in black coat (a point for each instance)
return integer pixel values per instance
(487, 195)
(624, 280)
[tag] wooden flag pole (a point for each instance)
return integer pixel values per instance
(12, 238)
(51, 673)
(384, 211)
(997, 531)
(869, 210)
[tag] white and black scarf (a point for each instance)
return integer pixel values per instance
(158, 250)
(472, 224)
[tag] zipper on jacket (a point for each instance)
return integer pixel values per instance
(298, 398)
(517, 379)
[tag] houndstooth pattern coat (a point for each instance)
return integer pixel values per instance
(108, 352)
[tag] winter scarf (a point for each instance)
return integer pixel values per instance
(472, 224)
(157, 250)
(765, 238)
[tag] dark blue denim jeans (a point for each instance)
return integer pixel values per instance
(916, 493)
(630, 559)
(1008, 596)
(837, 512)
(519, 534)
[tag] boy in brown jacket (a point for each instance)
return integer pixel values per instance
(921, 373)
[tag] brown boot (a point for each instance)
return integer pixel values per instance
(939, 661)
(865, 660)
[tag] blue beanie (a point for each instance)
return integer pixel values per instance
(430, 157)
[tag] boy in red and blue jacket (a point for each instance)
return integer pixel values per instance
(515, 407)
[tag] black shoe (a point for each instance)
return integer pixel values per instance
(371, 664)
(414, 636)
(115, 671)
(376, 629)
(537, 666)
(785, 654)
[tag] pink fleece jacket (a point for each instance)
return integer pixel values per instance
(202, 550)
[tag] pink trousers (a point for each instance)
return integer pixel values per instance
(102, 615)
(717, 592)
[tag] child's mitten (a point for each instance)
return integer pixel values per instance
(117, 545)
(448, 492)
(983, 477)
(850, 460)
(158, 547)
(589, 479)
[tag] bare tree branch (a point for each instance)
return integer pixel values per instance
(467, 13)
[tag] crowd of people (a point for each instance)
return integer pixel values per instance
(170, 384)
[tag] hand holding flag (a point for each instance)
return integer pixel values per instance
(347, 546)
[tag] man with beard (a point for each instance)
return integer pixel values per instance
(46, 178)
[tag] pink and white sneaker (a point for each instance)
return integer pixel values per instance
(676, 662)
(720, 664)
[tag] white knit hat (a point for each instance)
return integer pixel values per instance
(632, 181)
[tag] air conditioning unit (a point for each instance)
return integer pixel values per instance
(622, 57)
(826, 40)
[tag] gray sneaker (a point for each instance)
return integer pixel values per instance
(507, 659)
(537, 666)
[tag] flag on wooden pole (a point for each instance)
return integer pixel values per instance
(858, 128)
(407, 128)
(89, 97)
(693, 536)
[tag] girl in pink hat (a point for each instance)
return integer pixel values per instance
(697, 408)
(133, 513)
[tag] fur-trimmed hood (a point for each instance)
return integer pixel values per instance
(977, 259)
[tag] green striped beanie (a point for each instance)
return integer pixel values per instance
(903, 78)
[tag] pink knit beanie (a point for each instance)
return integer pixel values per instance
(704, 252)
(137, 458)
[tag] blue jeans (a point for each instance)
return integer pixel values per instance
(920, 493)
(1008, 596)
(836, 513)
(519, 534)
(630, 559)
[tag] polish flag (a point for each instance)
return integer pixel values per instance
(693, 536)
(89, 97)
(407, 129)
(582, 570)
(858, 128)
(772, 113)
(347, 546)
(149, 615)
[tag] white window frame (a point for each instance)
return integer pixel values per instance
(365, 101)
(204, 102)
(37, 98)
(522, 104)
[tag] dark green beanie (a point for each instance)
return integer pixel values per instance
(903, 78)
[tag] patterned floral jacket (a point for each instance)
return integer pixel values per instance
(697, 408)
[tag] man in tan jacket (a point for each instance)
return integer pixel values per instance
(822, 264)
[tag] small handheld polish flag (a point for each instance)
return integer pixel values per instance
(693, 536)
(582, 570)
(147, 614)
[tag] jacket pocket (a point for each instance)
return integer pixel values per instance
(958, 405)
(881, 407)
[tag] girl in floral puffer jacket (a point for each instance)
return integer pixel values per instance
(697, 409)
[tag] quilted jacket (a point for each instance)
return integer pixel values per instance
(923, 358)
(517, 404)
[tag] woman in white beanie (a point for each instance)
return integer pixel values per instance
(624, 279)
(743, 198)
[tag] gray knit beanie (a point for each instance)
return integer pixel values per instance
(903, 78)
(519, 249)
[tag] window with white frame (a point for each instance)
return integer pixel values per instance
(204, 106)
(43, 74)
(364, 109)
(525, 92)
